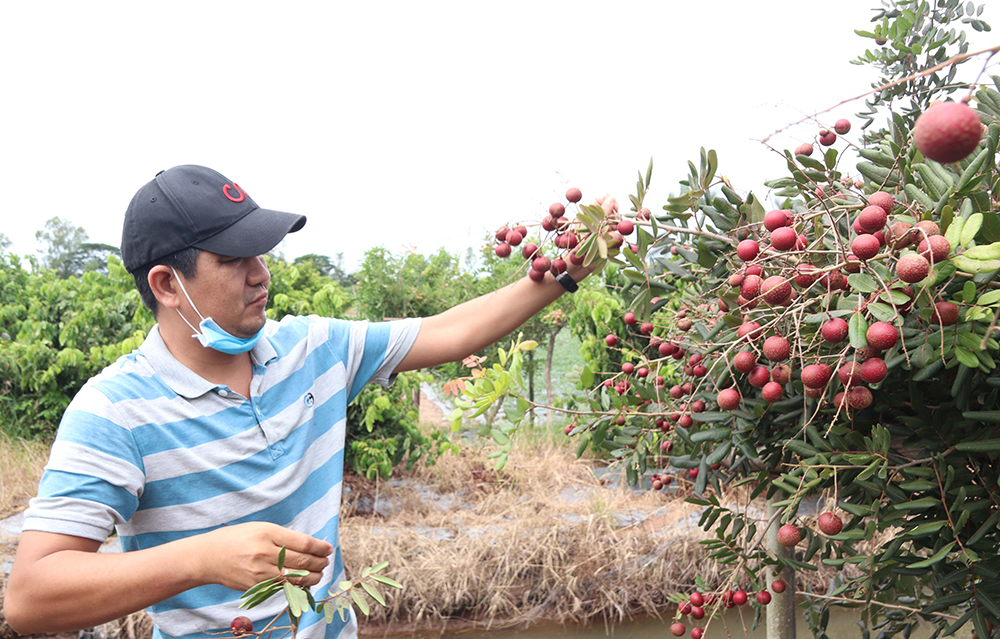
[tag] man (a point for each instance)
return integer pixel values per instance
(220, 440)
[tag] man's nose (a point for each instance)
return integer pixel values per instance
(260, 274)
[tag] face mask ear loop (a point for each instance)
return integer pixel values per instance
(190, 301)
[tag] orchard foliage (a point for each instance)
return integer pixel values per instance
(765, 353)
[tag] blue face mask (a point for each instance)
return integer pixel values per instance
(211, 334)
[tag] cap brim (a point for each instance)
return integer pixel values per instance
(255, 233)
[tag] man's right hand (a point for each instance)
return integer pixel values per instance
(243, 555)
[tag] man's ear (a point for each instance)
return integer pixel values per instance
(164, 286)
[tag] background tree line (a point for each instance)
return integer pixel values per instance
(73, 309)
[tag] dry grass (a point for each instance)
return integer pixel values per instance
(516, 551)
(21, 464)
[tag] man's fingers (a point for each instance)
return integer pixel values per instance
(300, 561)
(305, 544)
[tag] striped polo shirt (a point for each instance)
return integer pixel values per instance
(159, 453)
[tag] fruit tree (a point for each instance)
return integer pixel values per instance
(841, 344)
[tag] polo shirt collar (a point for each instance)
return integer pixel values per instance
(181, 379)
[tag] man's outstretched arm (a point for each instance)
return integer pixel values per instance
(464, 329)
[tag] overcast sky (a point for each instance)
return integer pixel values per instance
(410, 125)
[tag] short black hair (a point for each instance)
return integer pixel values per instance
(184, 261)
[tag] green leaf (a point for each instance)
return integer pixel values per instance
(360, 602)
(938, 556)
(293, 599)
(966, 357)
(857, 330)
(375, 594)
(863, 283)
(980, 446)
(971, 228)
(387, 581)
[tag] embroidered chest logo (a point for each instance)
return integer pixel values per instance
(308, 400)
(238, 195)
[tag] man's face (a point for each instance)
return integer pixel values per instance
(230, 290)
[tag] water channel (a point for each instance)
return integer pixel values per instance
(842, 625)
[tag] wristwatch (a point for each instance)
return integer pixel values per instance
(567, 282)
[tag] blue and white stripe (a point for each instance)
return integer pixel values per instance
(150, 448)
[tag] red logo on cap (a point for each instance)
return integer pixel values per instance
(242, 193)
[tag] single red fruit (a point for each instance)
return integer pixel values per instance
(859, 397)
(789, 536)
(944, 314)
(776, 348)
(747, 250)
(728, 399)
(912, 268)
(574, 195)
(842, 126)
(778, 586)
(541, 263)
(816, 375)
(776, 290)
(784, 238)
(759, 376)
(750, 288)
(241, 626)
(874, 370)
(771, 392)
(835, 330)
(805, 275)
(830, 524)
(947, 132)
(866, 246)
(849, 373)
(744, 361)
(750, 331)
(935, 248)
(872, 219)
(882, 335)
(781, 373)
(924, 229)
(883, 199)
(776, 219)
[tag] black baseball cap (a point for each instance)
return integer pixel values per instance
(194, 206)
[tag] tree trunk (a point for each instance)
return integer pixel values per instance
(781, 611)
(549, 392)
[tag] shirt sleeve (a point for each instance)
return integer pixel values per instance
(374, 350)
(94, 475)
